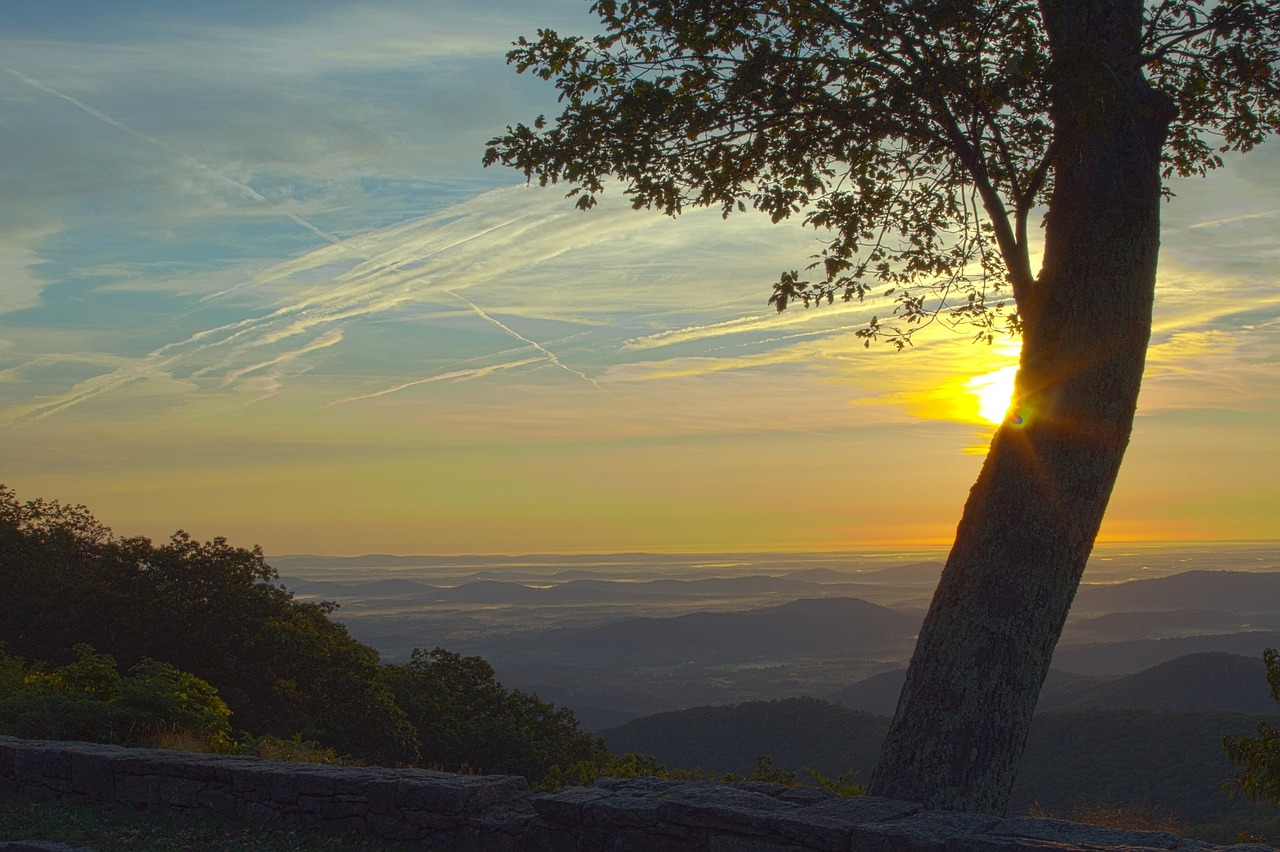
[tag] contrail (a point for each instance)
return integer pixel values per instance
(547, 353)
(460, 375)
(185, 159)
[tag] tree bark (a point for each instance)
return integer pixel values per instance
(1032, 517)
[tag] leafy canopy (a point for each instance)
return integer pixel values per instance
(920, 135)
(1258, 757)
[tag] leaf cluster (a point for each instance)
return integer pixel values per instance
(88, 699)
(1258, 756)
(916, 135)
(282, 666)
(467, 721)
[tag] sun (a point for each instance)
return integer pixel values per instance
(993, 393)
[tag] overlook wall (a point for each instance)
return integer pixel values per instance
(496, 813)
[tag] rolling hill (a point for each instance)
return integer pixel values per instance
(807, 628)
(1121, 658)
(1213, 681)
(879, 694)
(1171, 762)
(1244, 592)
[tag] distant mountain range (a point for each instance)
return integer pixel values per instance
(818, 627)
(1242, 592)
(1118, 658)
(614, 649)
(1206, 681)
(1120, 626)
(578, 591)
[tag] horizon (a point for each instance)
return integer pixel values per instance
(867, 550)
(258, 286)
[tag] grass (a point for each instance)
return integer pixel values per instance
(111, 828)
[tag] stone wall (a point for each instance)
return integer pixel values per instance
(496, 813)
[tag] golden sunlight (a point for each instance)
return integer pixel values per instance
(993, 392)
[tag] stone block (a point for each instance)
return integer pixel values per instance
(489, 790)
(220, 800)
(57, 764)
(721, 808)
(138, 789)
(389, 827)
(1060, 831)
(625, 808)
(812, 829)
(542, 837)
(925, 831)
(436, 795)
(737, 843)
(381, 794)
(864, 810)
(181, 792)
(566, 805)
(92, 775)
(620, 839)
(328, 808)
(310, 781)
(28, 766)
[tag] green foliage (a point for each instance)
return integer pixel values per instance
(1258, 756)
(209, 608)
(767, 772)
(89, 699)
(920, 136)
(466, 720)
(290, 749)
(844, 785)
(299, 685)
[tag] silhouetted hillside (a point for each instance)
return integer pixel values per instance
(1234, 591)
(804, 628)
(796, 733)
(371, 589)
(1120, 658)
(879, 694)
(1165, 760)
(1209, 681)
(916, 572)
(1123, 626)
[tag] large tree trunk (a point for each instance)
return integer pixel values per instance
(1032, 516)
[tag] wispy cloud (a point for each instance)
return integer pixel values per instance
(185, 160)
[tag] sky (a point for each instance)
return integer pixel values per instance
(255, 283)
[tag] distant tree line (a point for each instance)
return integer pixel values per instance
(210, 643)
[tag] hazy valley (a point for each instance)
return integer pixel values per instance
(623, 636)
(711, 661)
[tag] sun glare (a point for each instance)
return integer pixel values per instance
(993, 392)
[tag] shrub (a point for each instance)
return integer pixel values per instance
(1258, 757)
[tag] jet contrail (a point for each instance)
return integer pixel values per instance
(185, 159)
(460, 375)
(547, 353)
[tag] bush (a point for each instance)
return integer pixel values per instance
(466, 720)
(89, 700)
(1258, 757)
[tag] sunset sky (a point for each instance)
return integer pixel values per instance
(254, 282)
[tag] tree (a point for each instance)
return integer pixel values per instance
(1259, 757)
(922, 135)
(209, 608)
(465, 719)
